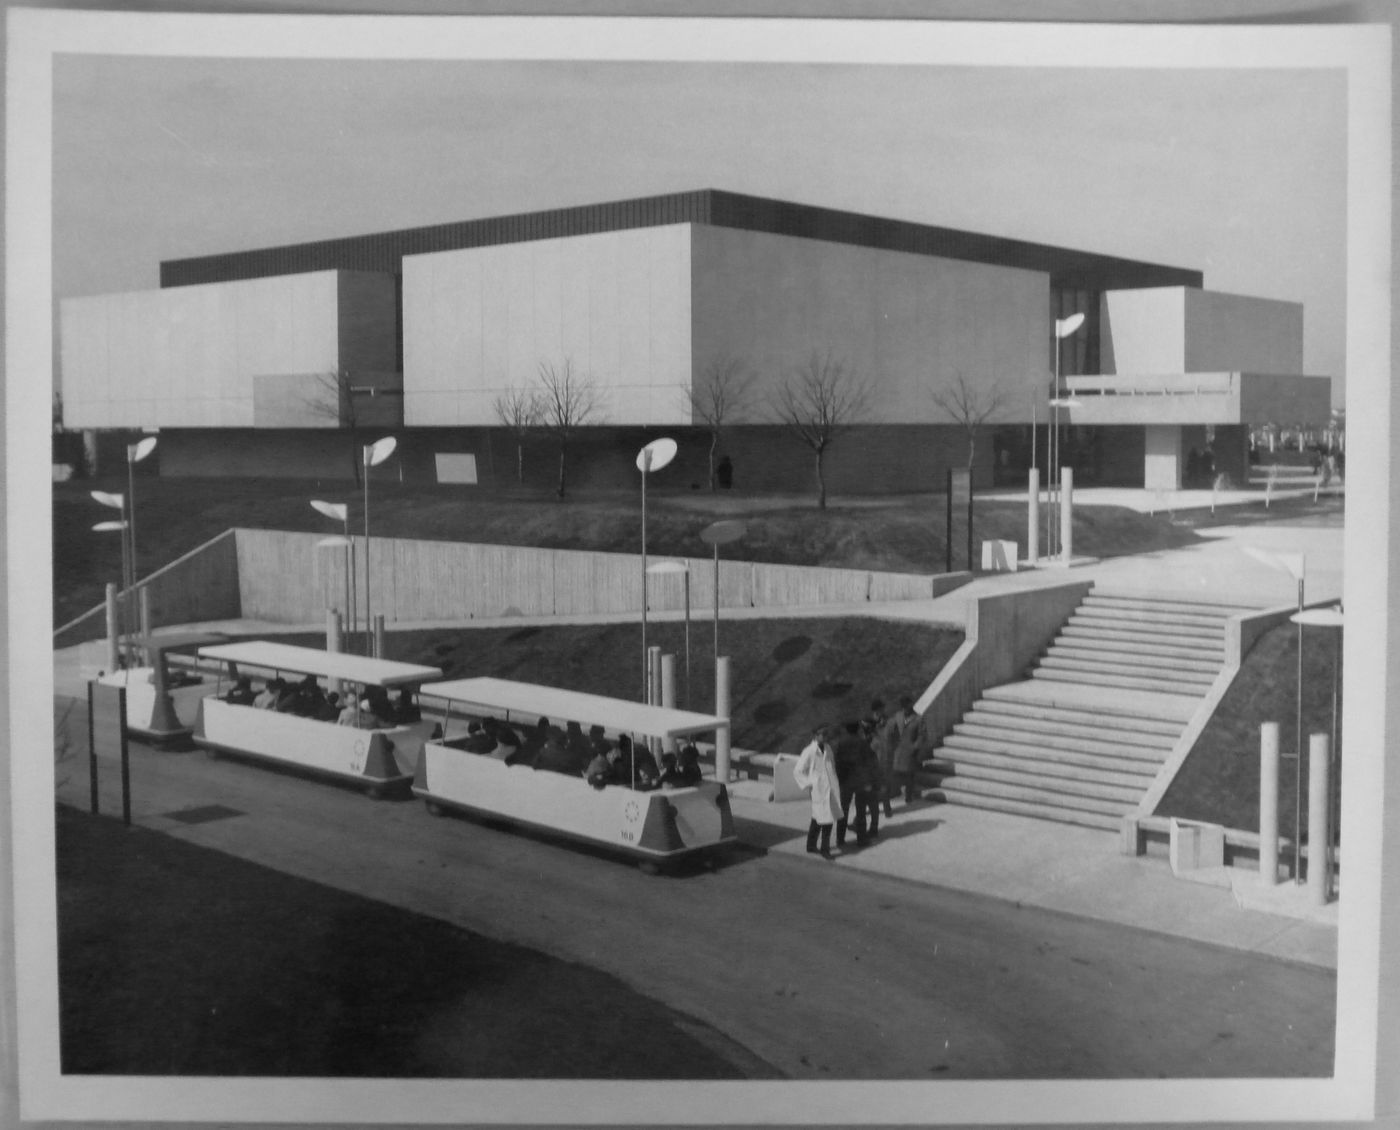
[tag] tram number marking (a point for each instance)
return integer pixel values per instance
(632, 813)
(357, 762)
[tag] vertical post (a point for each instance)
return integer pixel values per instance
(1298, 757)
(646, 655)
(969, 520)
(1066, 514)
(687, 636)
(1319, 819)
(1268, 804)
(333, 643)
(92, 747)
(1033, 516)
(369, 622)
(668, 691)
(126, 759)
(722, 711)
(352, 588)
(143, 603)
(379, 636)
(654, 692)
(948, 531)
(113, 628)
(716, 609)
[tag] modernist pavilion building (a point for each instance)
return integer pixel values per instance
(646, 298)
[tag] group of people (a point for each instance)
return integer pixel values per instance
(308, 699)
(600, 761)
(860, 764)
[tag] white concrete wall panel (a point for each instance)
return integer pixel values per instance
(1144, 331)
(187, 356)
(616, 305)
(1231, 331)
(903, 322)
(1162, 458)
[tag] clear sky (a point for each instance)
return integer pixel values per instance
(1239, 173)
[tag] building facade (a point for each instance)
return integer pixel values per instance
(253, 362)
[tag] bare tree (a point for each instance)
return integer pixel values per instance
(818, 402)
(969, 405)
(723, 391)
(567, 400)
(333, 398)
(519, 410)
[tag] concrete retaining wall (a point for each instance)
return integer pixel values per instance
(283, 577)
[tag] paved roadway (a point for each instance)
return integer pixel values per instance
(790, 967)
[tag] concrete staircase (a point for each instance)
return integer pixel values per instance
(1081, 739)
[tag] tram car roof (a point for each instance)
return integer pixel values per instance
(361, 669)
(528, 701)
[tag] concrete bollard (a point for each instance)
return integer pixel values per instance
(722, 710)
(1319, 830)
(1268, 804)
(1066, 514)
(668, 692)
(113, 631)
(1033, 516)
(333, 630)
(143, 604)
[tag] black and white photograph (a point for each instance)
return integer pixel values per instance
(659, 568)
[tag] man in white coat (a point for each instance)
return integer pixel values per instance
(816, 770)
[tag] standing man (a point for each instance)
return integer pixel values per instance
(875, 725)
(816, 770)
(848, 758)
(905, 736)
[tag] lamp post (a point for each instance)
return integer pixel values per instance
(135, 452)
(118, 502)
(340, 511)
(1063, 328)
(1323, 618)
(652, 457)
(375, 454)
(106, 527)
(717, 534)
(671, 568)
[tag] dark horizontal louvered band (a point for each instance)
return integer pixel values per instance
(384, 251)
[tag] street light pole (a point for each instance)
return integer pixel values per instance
(1063, 328)
(684, 569)
(375, 454)
(340, 512)
(718, 534)
(652, 457)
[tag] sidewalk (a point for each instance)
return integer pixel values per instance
(1059, 867)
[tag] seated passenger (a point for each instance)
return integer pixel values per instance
(267, 697)
(478, 740)
(380, 706)
(242, 693)
(329, 710)
(507, 741)
(349, 712)
(530, 747)
(688, 769)
(598, 740)
(555, 756)
(406, 710)
(370, 716)
(600, 772)
(310, 698)
(580, 748)
(646, 775)
(287, 698)
(669, 776)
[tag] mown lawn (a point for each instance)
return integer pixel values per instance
(279, 976)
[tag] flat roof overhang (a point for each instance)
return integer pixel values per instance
(1196, 398)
